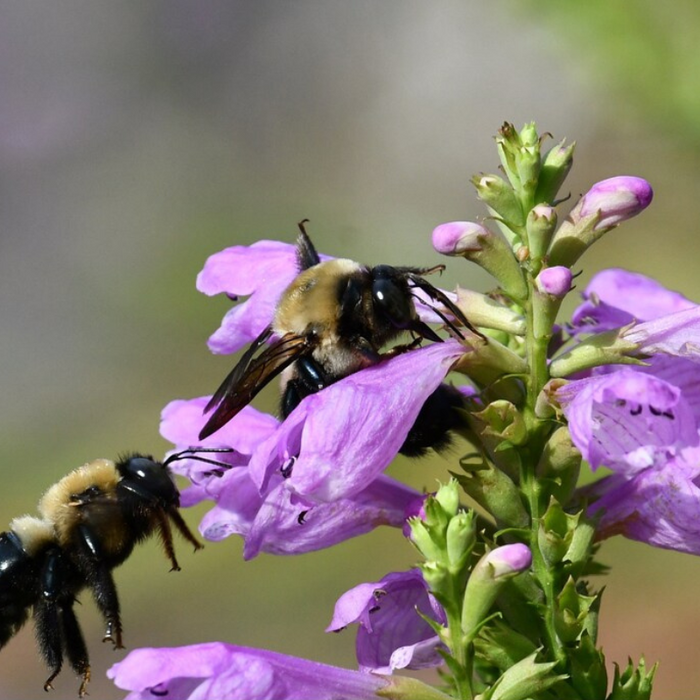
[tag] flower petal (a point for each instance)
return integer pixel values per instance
(623, 419)
(216, 671)
(340, 439)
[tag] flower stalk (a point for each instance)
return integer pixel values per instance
(501, 600)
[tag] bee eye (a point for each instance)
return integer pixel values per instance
(391, 300)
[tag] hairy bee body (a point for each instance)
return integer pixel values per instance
(334, 319)
(89, 523)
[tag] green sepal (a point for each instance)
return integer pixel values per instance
(441, 583)
(561, 463)
(571, 611)
(578, 555)
(632, 684)
(502, 420)
(495, 492)
(556, 532)
(524, 680)
(500, 646)
(521, 604)
(587, 667)
(407, 688)
(423, 540)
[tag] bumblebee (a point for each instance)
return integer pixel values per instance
(89, 523)
(334, 319)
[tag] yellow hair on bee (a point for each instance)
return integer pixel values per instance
(58, 503)
(33, 533)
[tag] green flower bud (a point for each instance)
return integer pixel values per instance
(486, 312)
(461, 536)
(491, 572)
(501, 199)
(494, 492)
(540, 225)
(440, 581)
(555, 167)
(422, 538)
(448, 497)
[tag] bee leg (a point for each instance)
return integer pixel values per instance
(310, 378)
(166, 537)
(47, 615)
(75, 647)
(100, 581)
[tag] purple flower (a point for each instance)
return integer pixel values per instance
(659, 505)
(262, 272)
(392, 634)
(615, 199)
(627, 418)
(615, 298)
(226, 672)
(339, 440)
(274, 521)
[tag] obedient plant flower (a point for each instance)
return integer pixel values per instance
(392, 635)
(273, 521)
(223, 671)
(340, 439)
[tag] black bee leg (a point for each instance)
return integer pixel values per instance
(182, 528)
(75, 648)
(101, 583)
(166, 537)
(47, 620)
(310, 378)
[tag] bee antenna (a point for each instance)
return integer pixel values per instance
(444, 318)
(193, 453)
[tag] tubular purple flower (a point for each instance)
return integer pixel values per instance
(677, 334)
(340, 439)
(276, 522)
(555, 281)
(616, 297)
(626, 419)
(392, 635)
(616, 199)
(228, 672)
(262, 272)
(659, 505)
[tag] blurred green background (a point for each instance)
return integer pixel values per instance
(138, 138)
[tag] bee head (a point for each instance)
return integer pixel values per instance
(149, 480)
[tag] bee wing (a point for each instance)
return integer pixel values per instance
(438, 295)
(250, 375)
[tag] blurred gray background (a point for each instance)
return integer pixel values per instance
(138, 138)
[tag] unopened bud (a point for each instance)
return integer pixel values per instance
(607, 204)
(541, 222)
(555, 281)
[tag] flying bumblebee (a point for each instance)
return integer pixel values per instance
(333, 320)
(90, 522)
